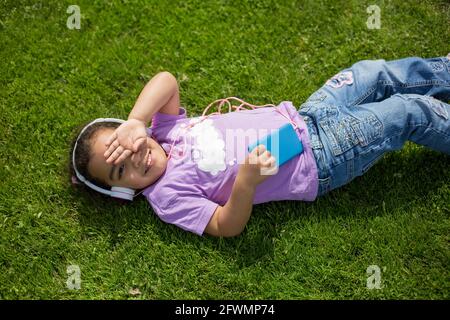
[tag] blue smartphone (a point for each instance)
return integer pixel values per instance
(283, 144)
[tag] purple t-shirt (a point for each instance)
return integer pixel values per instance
(191, 187)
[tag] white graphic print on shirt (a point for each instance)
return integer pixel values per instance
(208, 147)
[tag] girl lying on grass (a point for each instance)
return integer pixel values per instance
(195, 180)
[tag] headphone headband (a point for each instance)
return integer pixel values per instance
(117, 192)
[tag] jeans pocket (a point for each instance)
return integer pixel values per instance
(348, 132)
(368, 129)
(340, 134)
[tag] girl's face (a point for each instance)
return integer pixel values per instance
(126, 174)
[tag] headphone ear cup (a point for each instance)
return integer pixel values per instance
(122, 193)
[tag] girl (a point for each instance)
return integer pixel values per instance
(195, 177)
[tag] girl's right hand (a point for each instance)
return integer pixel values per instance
(129, 138)
(259, 165)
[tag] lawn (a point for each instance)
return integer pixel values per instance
(53, 78)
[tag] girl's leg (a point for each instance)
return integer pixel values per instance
(350, 117)
(375, 80)
(353, 139)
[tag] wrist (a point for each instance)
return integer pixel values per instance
(132, 118)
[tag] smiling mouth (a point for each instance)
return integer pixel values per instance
(148, 162)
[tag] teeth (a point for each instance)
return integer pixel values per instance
(149, 160)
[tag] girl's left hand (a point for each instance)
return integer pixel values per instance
(130, 137)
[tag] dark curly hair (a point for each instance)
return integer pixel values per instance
(83, 154)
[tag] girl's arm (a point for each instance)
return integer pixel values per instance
(231, 219)
(160, 94)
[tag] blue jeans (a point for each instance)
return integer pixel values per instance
(374, 107)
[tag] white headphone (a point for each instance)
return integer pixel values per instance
(116, 192)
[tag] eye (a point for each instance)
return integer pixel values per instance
(122, 167)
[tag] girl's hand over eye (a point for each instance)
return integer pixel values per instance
(129, 138)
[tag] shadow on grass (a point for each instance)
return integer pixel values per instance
(395, 182)
(104, 215)
(400, 178)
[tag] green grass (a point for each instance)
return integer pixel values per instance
(52, 79)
